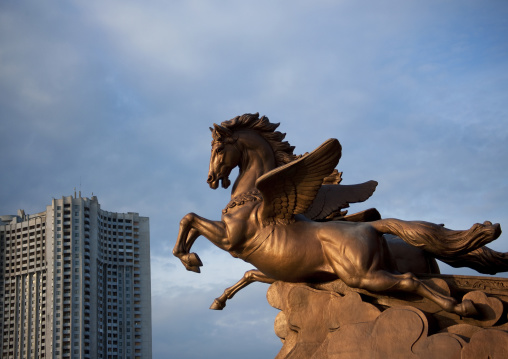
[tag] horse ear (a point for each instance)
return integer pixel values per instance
(222, 131)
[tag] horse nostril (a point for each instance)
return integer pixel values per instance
(209, 179)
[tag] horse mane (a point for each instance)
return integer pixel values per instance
(283, 151)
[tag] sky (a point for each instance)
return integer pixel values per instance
(116, 98)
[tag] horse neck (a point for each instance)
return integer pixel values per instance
(256, 160)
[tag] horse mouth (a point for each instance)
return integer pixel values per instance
(225, 182)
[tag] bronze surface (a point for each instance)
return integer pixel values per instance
(291, 227)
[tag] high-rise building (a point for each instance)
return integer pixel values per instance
(75, 283)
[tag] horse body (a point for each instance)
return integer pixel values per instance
(346, 250)
(294, 248)
(277, 251)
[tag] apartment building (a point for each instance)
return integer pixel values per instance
(75, 282)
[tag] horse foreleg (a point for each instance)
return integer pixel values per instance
(191, 227)
(191, 261)
(248, 278)
(191, 238)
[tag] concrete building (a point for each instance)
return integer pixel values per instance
(75, 283)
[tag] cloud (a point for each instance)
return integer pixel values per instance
(186, 326)
(116, 98)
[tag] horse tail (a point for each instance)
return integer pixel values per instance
(483, 260)
(456, 248)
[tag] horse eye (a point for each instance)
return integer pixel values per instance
(219, 150)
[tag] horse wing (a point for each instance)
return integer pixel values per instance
(290, 189)
(334, 197)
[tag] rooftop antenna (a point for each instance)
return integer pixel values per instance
(79, 186)
(74, 192)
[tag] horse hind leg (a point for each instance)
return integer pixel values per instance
(382, 281)
(248, 278)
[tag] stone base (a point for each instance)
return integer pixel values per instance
(332, 320)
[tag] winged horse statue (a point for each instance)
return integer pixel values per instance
(282, 218)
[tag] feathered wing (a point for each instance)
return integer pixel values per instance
(333, 198)
(290, 189)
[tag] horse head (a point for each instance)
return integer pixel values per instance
(224, 157)
(248, 141)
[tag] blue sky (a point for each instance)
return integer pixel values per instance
(116, 97)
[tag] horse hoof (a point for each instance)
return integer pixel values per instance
(191, 262)
(466, 309)
(194, 269)
(193, 259)
(217, 305)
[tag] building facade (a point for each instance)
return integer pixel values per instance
(75, 283)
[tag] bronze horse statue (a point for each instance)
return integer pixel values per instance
(279, 220)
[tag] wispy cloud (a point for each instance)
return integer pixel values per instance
(116, 98)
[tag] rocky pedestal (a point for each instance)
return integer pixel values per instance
(332, 320)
